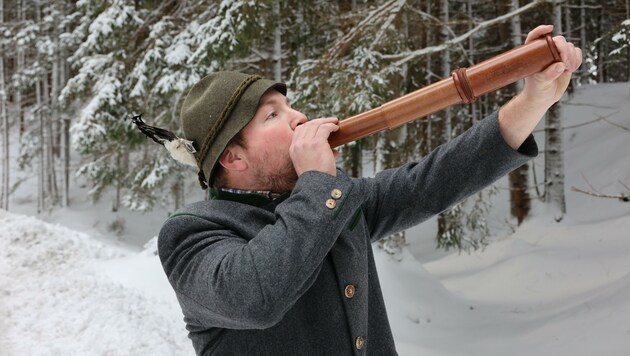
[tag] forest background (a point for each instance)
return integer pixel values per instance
(72, 73)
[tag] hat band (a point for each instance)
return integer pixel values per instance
(227, 111)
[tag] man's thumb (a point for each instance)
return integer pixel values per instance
(554, 71)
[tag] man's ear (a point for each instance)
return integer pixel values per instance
(232, 159)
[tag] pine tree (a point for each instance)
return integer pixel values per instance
(100, 63)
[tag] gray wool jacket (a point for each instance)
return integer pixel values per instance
(296, 276)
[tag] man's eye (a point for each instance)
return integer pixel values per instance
(272, 115)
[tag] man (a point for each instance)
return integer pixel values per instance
(279, 262)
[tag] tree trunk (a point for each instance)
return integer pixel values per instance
(41, 171)
(65, 147)
(567, 31)
(301, 25)
(601, 48)
(517, 31)
(554, 152)
(450, 227)
(583, 70)
(19, 69)
(471, 50)
(277, 48)
(446, 68)
(429, 69)
(41, 190)
(628, 48)
(56, 122)
(4, 118)
(554, 163)
(48, 146)
(177, 189)
(64, 141)
(519, 178)
(118, 181)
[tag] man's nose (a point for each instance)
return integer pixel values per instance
(298, 120)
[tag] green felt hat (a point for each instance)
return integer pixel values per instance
(216, 109)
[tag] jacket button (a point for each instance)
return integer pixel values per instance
(359, 342)
(331, 203)
(349, 291)
(336, 193)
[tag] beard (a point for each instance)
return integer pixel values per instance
(280, 179)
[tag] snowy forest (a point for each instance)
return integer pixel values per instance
(72, 73)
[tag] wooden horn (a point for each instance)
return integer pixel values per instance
(465, 85)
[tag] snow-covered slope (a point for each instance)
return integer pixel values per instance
(548, 289)
(64, 293)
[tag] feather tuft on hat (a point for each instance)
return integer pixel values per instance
(181, 150)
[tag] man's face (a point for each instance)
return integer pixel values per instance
(267, 140)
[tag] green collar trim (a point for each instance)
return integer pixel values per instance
(254, 198)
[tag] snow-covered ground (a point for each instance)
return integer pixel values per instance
(547, 289)
(64, 293)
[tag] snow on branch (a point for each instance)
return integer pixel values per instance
(393, 13)
(621, 37)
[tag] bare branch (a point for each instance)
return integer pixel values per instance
(622, 197)
(409, 56)
(590, 105)
(341, 45)
(593, 7)
(615, 124)
(593, 192)
(448, 29)
(589, 184)
(600, 118)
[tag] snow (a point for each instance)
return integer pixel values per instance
(177, 54)
(547, 289)
(64, 293)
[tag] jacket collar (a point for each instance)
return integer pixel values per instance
(250, 197)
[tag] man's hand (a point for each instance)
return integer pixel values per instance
(519, 117)
(547, 87)
(310, 150)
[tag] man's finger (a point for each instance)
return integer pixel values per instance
(537, 32)
(570, 55)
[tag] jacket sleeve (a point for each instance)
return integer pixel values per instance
(404, 197)
(223, 280)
